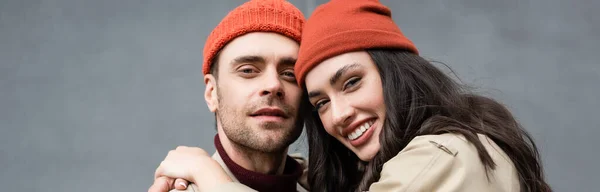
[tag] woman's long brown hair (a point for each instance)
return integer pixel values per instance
(421, 100)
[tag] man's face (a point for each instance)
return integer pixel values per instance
(257, 95)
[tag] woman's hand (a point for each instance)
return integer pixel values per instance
(165, 184)
(192, 164)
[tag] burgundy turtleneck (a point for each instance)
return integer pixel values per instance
(263, 182)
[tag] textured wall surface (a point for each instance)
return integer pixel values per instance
(93, 94)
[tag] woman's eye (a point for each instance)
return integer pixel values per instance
(320, 104)
(352, 82)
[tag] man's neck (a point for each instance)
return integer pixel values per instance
(253, 160)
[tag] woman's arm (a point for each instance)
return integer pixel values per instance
(196, 166)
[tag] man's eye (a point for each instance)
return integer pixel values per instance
(289, 74)
(247, 70)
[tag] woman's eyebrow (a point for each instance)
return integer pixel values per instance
(336, 77)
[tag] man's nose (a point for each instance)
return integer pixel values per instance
(272, 85)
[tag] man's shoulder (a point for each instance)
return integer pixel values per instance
(303, 180)
(219, 160)
(300, 159)
(216, 156)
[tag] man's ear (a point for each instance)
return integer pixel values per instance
(210, 92)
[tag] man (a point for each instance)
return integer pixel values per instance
(250, 86)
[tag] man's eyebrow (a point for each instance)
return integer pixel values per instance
(248, 59)
(336, 77)
(287, 61)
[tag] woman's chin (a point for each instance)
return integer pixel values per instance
(368, 153)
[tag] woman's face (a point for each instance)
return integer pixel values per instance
(346, 91)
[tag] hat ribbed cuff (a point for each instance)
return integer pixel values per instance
(260, 19)
(349, 41)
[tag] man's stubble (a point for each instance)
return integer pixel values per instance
(237, 129)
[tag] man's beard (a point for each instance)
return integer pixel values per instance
(233, 122)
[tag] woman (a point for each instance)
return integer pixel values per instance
(385, 119)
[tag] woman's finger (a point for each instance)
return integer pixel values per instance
(161, 184)
(181, 184)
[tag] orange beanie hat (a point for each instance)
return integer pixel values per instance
(342, 26)
(278, 16)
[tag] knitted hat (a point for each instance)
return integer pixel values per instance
(278, 16)
(342, 26)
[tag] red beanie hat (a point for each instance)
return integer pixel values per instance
(342, 26)
(278, 16)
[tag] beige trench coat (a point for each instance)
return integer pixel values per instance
(447, 162)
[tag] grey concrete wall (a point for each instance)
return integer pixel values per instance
(94, 93)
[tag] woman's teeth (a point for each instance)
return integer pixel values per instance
(359, 131)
